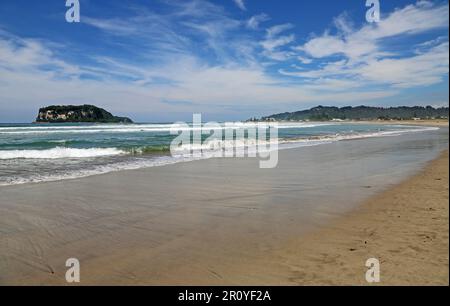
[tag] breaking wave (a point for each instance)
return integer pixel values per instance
(59, 152)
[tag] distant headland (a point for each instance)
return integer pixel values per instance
(325, 113)
(77, 113)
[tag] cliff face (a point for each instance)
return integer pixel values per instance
(82, 113)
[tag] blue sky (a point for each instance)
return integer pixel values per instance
(162, 60)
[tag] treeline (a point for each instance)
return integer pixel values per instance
(323, 113)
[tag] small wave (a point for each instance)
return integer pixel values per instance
(100, 169)
(148, 150)
(359, 135)
(167, 160)
(219, 145)
(59, 152)
(146, 128)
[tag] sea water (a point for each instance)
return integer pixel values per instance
(48, 152)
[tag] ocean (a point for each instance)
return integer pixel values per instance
(31, 153)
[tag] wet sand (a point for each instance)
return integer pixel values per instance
(225, 221)
(406, 228)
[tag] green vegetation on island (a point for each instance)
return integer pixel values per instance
(77, 113)
(324, 113)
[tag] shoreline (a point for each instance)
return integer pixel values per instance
(432, 123)
(285, 143)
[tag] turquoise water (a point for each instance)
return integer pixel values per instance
(35, 153)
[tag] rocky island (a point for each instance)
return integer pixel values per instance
(77, 113)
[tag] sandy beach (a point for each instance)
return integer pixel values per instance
(315, 219)
(434, 122)
(405, 227)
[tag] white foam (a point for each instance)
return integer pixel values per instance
(136, 128)
(167, 160)
(59, 152)
(219, 144)
(101, 169)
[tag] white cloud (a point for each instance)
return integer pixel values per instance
(278, 29)
(240, 4)
(364, 56)
(221, 88)
(255, 21)
(274, 41)
(271, 44)
(424, 69)
(323, 46)
(304, 60)
(413, 19)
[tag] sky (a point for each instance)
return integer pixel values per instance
(163, 60)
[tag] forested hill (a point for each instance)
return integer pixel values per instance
(77, 113)
(322, 113)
